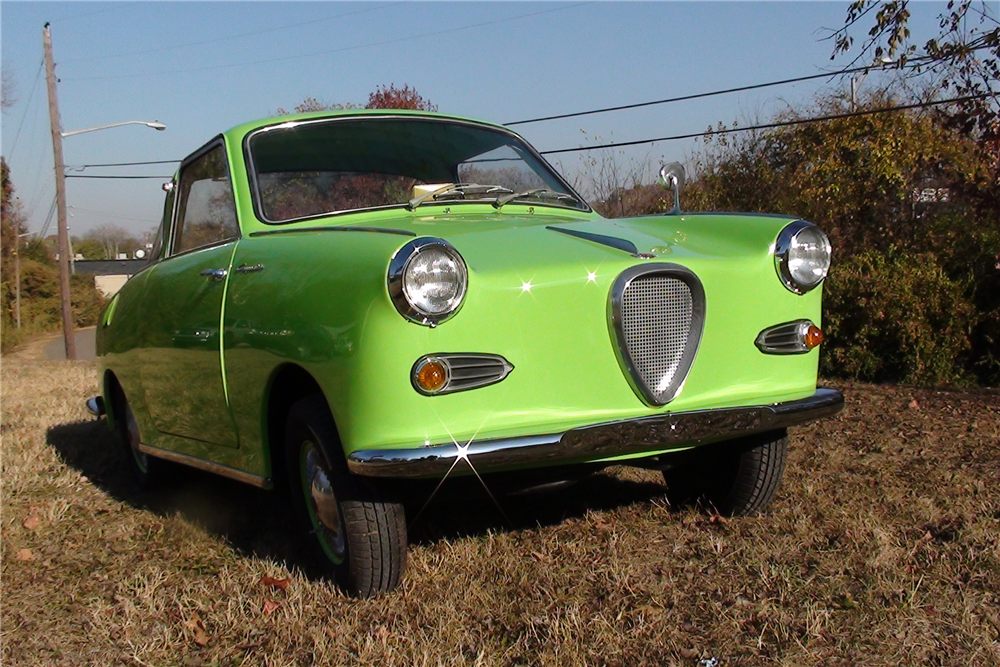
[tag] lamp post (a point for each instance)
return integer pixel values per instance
(156, 125)
(60, 169)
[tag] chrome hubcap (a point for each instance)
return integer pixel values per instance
(323, 509)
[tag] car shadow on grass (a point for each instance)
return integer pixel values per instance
(256, 522)
(468, 507)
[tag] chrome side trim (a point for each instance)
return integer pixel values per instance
(207, 466)
(95, 406)
(610, 241)
(249, 268)
(786, 338)
(601, 441)
(618, 331)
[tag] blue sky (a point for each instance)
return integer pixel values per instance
(201, 68)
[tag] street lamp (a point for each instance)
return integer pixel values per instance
(65, 250)
(156, 125)
(60, 169)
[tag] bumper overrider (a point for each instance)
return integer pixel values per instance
(601, 441)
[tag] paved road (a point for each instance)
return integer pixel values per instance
(86, 343)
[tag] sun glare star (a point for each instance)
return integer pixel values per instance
(591, 276)
(526, 287)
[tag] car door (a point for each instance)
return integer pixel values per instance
(182, 371)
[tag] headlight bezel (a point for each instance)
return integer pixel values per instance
(782, 256)
(401, 262)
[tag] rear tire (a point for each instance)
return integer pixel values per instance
(358, 534)
(147, 471)
(737, 477)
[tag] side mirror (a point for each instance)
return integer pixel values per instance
(673, 177)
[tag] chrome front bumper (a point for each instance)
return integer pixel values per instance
(601, 441)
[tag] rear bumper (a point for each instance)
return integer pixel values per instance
(592, 443)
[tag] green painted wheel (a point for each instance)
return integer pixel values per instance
(321, 502)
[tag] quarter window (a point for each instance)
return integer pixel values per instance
(163, 233)
(207, 213)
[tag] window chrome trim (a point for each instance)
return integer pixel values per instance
(334, 228)
(394, 281)
(286, 125)
(781, 248)
(616, 325)
(216, 142)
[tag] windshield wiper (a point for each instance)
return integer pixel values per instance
(541, 193)
(459, 190)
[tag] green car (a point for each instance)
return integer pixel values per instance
(340, 303)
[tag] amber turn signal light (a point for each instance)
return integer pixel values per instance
(430, 376)
(813, 336)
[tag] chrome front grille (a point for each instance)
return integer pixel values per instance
(657, 313)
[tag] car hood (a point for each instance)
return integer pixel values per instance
(522, 242)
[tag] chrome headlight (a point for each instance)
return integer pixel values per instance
(802, 256)
(427, 281)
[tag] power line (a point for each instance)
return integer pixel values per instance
(48, 219)
(331, 51)
(120, 164)
(162, 178)
(695, 96)
(230, 37)
(767, 126)
(27, 105)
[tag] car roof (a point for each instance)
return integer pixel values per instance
(239, 131)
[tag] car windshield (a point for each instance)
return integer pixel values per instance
(316, 168)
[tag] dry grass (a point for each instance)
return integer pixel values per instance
(883, 547)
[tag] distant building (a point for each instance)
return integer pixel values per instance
(109, 274)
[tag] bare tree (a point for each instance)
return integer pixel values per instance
(7, 88)
(113, 240)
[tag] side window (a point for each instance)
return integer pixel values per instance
(207, 213)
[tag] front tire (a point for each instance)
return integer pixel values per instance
(359, 535)
(738, 477)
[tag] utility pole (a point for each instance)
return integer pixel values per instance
(17, 275)
(64, 250)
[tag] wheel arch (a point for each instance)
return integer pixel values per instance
(113, 394)
(289, 384)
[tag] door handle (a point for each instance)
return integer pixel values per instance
(218, 274)
(249, 268)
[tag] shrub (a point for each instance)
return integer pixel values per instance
(896, 316)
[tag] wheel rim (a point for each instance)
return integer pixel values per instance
(321, 503)
(132, 435)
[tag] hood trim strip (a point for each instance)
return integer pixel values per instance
(610, 241)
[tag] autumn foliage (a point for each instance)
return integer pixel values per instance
(911, 207)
